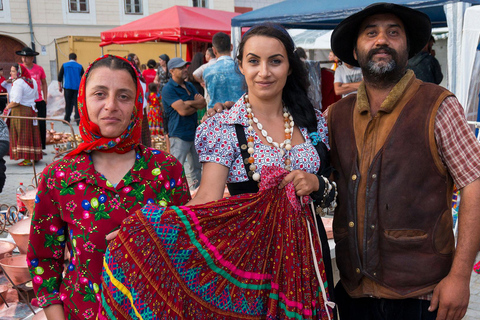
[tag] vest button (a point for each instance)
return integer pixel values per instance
(374, 176)
(357, 270)
(374, 274)
(351, 224)
(354, 177)
(372, 226)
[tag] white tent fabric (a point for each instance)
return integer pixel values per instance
(469, 79)
(454, 13)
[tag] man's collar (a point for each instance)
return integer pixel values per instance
(393, 97)
(224, 58)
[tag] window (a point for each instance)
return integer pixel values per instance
(133, 7)
(200, 3)
(78, 6)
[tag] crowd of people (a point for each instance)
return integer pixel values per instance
(383, 159)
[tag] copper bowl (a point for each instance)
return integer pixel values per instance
(6, 247)
(29, 199)
(20, 232)
(16, 268)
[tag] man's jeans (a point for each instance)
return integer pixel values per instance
(185, 152)
(381, 309)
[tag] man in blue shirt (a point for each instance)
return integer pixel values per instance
(181, 102)
(70, 75)
(222, 81)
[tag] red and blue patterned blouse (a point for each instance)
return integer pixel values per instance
(77, 207)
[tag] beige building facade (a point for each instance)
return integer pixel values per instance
(58, 27)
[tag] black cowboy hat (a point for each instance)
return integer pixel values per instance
(27, 52)
(417, 26)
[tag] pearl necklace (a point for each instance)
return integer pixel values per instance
(284, 147)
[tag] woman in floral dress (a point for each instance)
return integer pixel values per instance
(257, 254)
(86, 195)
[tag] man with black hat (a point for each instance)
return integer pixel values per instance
(181, 101)
(399, 145)
(37, 73)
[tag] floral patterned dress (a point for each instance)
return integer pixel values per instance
(77, 207)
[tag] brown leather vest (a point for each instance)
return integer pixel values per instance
(408, 241)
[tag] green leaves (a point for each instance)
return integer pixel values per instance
(66, 189)
(100, 213)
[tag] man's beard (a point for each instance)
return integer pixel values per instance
(382, 74)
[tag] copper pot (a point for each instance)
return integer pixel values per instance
(16, 268)
(20, 232)
(6, 247)
(29, 199)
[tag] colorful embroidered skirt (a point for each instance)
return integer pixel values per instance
(245, 257)
(25, 140)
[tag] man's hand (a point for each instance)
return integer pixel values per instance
(305, 183)
(217, 108)
(60, 88)
(451, 297)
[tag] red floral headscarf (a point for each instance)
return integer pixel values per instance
(22, 73)
(90, 132)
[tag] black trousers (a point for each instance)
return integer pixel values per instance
(3, 103)
(4, 146)
(381, 309)
(70, 103)
(42, 125)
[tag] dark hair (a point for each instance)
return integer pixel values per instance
(294, 93)
(151, 64)
(221, 42)
(301, 53)
(114, 63)
(72, 56)
(210, 52)
(152, 87)
(16, 66)
(164, 57)
(197, 61)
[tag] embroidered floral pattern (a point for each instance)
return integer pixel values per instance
(76, 207)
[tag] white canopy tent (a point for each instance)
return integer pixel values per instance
(469, 75)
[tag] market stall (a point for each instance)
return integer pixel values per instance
(176, 24)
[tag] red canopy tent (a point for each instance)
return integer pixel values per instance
(176, 24)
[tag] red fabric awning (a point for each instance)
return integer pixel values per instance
(176, 24)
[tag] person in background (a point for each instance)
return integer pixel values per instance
(3, 92)
(38, 74)
(162, 71)
(150, 73)
(399, 145)
(425, 66)
(333, 58)
(4, 146)
(146, 137)
(155, 112)
(222, 81)
(347, 79)
(25, 140)
(69, 78)
(197, 62)
(86, 195)
(198, 74)
(180, 102)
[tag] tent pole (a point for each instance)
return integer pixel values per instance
(180, 45)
